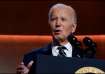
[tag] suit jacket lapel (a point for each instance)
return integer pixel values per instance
(47, 49)
(75, 52)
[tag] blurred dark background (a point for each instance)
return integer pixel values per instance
(29, 17)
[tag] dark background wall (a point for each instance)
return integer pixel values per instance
(29, 17)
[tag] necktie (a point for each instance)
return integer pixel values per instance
(61, 51)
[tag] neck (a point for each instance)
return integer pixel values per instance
(60, 42)
(63, 42)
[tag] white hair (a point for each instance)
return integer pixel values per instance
(60, 5)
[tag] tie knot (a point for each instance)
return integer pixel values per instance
(61, 48)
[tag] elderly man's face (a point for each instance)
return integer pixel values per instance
(61, 23)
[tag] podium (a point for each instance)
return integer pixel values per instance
(61, 65)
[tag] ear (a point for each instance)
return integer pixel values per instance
(74, 27)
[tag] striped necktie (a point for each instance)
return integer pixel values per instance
(61, 51)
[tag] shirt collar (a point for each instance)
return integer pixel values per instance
(67, 45)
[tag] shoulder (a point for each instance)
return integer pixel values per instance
(33, 54)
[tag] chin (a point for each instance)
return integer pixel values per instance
(60, 37)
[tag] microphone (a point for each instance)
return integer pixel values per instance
(76, 44)
(90, 48)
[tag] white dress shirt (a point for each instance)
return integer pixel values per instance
(68, 52)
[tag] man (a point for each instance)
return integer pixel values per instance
(62, 19)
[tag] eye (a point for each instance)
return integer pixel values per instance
(53, 18)
(63, 19)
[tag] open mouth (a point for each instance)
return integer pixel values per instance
(57, 31)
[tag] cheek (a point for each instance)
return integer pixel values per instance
(68, 29)
(51, 25)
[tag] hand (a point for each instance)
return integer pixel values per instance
(22, 69)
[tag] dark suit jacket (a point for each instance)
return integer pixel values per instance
(47, 50)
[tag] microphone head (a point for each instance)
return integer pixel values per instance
(90, 49)
(87, 41)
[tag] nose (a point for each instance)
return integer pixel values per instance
(58, 23)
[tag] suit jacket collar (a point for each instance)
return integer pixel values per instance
(48, 50)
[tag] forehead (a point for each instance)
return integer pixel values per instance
(61, 11)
